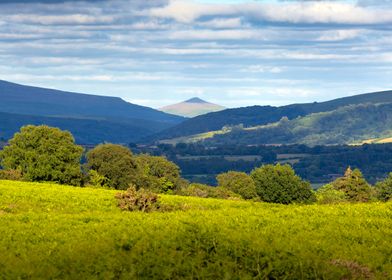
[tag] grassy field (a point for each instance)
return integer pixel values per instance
(58, 232)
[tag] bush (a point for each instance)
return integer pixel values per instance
(384, 189)
(328, 195)
(239, 183)
(157, 174)
(11, 174)
(201, 190)
(114, 162)
(279, 184)
(43, 153)
(354, 186)
(141, 200)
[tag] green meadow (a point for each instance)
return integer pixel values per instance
(60, 232)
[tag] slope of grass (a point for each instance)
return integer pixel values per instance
(51, 231)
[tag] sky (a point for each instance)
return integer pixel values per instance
(234, 53)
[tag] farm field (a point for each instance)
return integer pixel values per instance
(60, 232)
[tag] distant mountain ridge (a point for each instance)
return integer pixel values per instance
(262, 115)
(192, 107)
(103, 118)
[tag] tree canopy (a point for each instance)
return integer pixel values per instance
(239, 183)
(114, 162)
(43, 153)
(279, 184)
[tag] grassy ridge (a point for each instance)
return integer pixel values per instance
(51, 231)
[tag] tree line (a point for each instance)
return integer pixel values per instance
(42, 153)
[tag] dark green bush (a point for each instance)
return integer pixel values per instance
(138, 200)
(279, 184)
(384, 189)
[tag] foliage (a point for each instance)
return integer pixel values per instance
(238, 182)
(114, 162)
(137, 200)
(329, 195)
(50, 231)
(43, 153)
(204, 191)
(11, 174)
(354, 186)
(279, 184)
(157, 174)
(384, 189)
(97, 180)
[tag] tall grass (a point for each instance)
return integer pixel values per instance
(59, 232)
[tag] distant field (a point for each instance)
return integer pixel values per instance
(225, 157)
(59, 232)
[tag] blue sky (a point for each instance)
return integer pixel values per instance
(235, 53)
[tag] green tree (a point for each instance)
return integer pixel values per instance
(239, 183)
(384, 189)
(157, 174)
(43, 153)
(327, 194)
(115, 163)
(354, 186)
(279, 184)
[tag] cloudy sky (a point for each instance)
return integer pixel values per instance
(234, 53)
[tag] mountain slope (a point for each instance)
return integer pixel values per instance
(30, 100)
(260, 115)
(345, 125)
(192, 108)
(91, 118)
(85, 131)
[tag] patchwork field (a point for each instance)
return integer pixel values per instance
(60, 232)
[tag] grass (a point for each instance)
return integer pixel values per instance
(59, 232)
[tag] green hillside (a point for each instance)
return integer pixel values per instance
(261, 115)
(345, 125)
(59, 232)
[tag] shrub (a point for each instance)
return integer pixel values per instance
(11, 174)
(44, 153)
(384, 189)
(329, 195)
(354, 186)
(157, 174)
(137, 200)
(279, 184)
(239, 183)
(97, 180)
(114, 162)
(201, 190)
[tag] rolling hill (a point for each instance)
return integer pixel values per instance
(192, 108)
(91, 118)
(346, 125)
(261, 115)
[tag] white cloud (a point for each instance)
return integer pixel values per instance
(193, 34)
(293, 12)
(222, 23)
(340, 35)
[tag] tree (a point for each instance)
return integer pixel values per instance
(384, 189)
(157, 174)
(279, 184)
(354, 186)
(115, 163)
(43, 153)
(239, 183)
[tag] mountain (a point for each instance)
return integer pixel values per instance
(92, 118)
(261, 115)
(192, 108)
(345, 125)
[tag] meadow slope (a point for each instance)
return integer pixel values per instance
(59, 232)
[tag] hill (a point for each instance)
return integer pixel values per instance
(192, 108)
(345, 125)
(261, 115)
(50, 231)
(26, 104)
